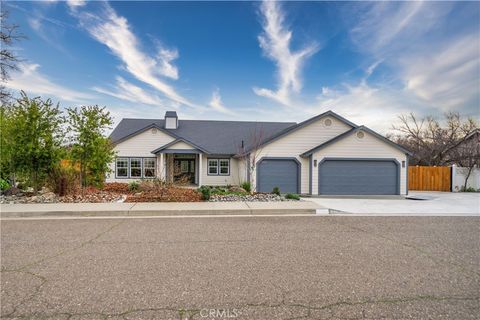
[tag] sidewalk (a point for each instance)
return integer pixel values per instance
(157, 209)
(435, 204)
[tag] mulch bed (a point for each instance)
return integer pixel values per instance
(116, 187)
(167, 194)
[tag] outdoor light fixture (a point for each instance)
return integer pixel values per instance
(314, 163)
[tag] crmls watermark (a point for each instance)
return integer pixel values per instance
(219, 313)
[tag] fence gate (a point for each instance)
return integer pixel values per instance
(429, 178)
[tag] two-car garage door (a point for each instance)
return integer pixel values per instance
(336, 176)
(358, 177)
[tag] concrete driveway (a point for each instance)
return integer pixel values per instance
(437, 203)
(241, 268)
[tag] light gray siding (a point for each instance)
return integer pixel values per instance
(299, 141)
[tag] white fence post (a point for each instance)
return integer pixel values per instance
(454, 174)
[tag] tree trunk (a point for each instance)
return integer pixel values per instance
(468, 176)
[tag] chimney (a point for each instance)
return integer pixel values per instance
(171, 120)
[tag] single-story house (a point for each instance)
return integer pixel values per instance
(324, 155)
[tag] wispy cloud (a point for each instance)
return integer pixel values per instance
(377, 107)
(439, 68)
(448, 79)
(216, 103)
(114, 31)
(125, 90)
(275, 42)
(31, 80)
(73, 4)
(49, 30)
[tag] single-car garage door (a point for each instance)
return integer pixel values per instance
(281, 173)
(358, 177)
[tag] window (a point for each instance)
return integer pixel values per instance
(224, 166)
(219, 167)
(213, 166)
(149, 167)
(183, 166)
(135, 168)
(122, 167)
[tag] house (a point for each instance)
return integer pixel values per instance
(324, 155)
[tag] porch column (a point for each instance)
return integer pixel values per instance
(161, 170)
(200, 167)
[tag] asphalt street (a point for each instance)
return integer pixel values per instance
(242, 268)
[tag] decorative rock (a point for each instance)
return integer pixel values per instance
(236, 189)
(257, 197)
(12, 191)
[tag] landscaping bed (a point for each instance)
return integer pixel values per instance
(145, 191)
(256, 197)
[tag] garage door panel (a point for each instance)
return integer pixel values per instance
(358, 177)
(278, 173)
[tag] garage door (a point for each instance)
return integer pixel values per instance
(358, 177)
(282, 173)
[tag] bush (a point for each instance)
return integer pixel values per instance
(205, 191)
(292, 196)
(247, 186)
(133, 186)
(469, 189)
(4, 185)
(276, 190)
(63, 181)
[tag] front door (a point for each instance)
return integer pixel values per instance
(184, 171)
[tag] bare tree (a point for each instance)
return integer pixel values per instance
(428, 139)
(249, 151)
(9, 34)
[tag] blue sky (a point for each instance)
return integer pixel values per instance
(278, 61)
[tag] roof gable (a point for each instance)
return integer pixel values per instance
(306, 123)
(174, 142)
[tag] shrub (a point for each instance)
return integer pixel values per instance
(292, 196)
(247, 186)
(469, 189)
(133, 186)
(63, 181)
(276, 190)
(205, 191)
(4, 185)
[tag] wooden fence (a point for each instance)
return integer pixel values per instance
(429, 178)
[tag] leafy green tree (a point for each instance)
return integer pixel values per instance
(34, 135)
(90, 148)
(6, 164)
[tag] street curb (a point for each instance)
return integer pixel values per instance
(156, 209)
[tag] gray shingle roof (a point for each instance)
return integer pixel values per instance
(216, 137)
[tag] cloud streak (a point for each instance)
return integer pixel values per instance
(275, 42)
(216, 103)
(31, 80)
(125, 90)
(115, 32)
